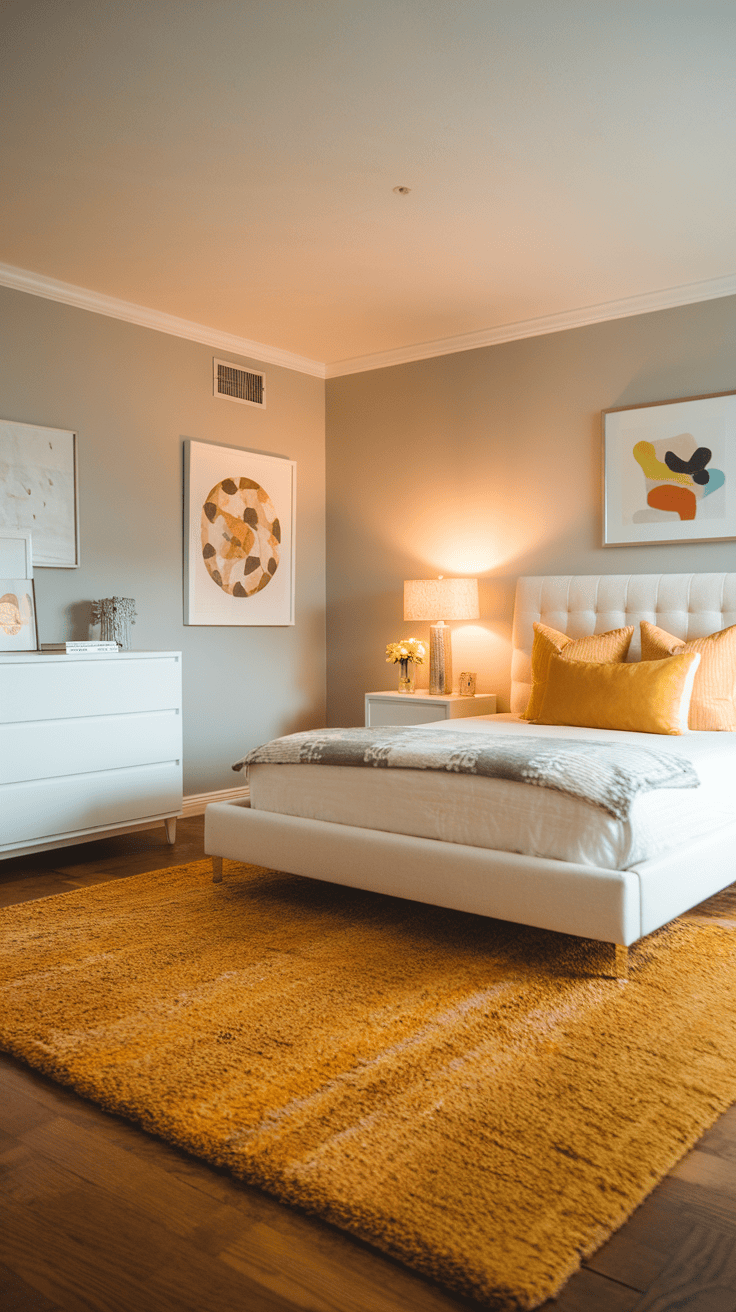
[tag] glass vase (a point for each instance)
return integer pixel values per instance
(406, 676)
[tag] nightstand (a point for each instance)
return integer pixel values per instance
(422, 708)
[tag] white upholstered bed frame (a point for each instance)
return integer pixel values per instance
(616, 906)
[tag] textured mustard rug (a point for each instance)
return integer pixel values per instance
(469, 1096)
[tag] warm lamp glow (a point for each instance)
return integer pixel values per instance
(484, 540)
(441, 599)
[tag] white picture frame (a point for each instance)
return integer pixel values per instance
(239, 539)
(16, 554)
(18, 623)
(669, 471)
(38, 493)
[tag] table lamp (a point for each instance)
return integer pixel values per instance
(453, 599)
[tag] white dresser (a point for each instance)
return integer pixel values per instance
(89, 744)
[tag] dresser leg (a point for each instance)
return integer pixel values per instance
(217, 870)
(171, 830)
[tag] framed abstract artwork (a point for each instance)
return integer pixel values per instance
(239, 509)
(18, 629)
(38, 490)
(669, 471)
(18, 624)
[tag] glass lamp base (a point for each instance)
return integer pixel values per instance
(440, 659)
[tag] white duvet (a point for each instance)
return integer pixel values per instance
(513, 817)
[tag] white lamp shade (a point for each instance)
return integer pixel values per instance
(441, 599)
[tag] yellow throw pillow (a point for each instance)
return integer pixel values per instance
(611, 646)
(646, 697)
(713, 703)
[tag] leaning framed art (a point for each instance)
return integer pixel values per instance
(18, 627)
(239, 509)
(38, 490)
(669, 471)
(18, 623)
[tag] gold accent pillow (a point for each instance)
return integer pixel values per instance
(645, 697)
(611, 646)
(713, 703)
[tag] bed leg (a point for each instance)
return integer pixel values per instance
(217, 870)
(621, 967)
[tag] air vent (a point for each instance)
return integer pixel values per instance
(235, 384)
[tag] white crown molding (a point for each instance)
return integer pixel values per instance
(36, 284)
(647, 303)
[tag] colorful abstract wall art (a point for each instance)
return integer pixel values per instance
(239, 536)
(669, 471)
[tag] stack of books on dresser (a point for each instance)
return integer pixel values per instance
(75, 648)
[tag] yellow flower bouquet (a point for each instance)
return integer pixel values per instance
(401, 653)
(409, 649)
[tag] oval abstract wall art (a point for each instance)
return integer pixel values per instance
(241, 536)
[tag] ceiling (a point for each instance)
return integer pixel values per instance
(233, 163)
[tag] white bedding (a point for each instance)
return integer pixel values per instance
(513, 817)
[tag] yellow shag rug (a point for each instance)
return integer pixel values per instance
(469, 1096)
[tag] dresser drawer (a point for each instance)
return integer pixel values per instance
(49, 689)
(46, 749)
(42, 809)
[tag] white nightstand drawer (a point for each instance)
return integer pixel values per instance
(381, 713)
(394, 708)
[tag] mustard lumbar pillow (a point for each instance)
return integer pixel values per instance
(713, 703)
(646, 697)
(611, 646)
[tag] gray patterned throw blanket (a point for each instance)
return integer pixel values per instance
(609, 775)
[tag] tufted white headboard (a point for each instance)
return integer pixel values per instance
(688, 605)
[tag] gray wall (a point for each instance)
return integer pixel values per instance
(133, 395)
(488, 462)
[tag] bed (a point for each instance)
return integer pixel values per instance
(507, 850)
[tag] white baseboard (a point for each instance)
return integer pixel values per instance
(195, 803)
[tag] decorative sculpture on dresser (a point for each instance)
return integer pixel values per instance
(115, 616)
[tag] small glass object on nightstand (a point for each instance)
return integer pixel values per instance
(406, 679)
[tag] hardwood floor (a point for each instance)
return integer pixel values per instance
(96, 1216)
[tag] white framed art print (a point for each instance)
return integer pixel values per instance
(239, 536)
(38, 491)
(18, 623)
(669, 471)
(18, 626)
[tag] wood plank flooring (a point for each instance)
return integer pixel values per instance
(96, 1216)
